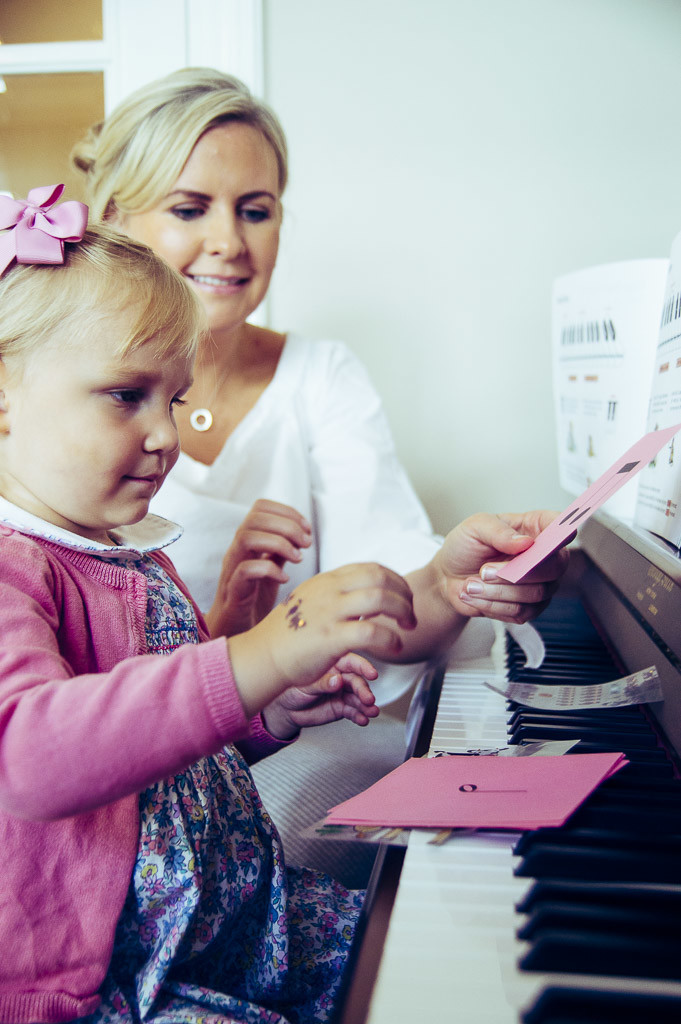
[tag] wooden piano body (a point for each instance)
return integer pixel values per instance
(599, 914)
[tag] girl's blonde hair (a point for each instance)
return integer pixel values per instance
(133, 158)
(104, 274)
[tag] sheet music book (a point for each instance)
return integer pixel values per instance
(605, 325)
(658, 508)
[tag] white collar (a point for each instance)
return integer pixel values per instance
(150, 534)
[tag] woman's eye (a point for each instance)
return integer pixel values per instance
(254, 214)
(187, 212)
(178, 401)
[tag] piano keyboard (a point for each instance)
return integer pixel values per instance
(558, 926)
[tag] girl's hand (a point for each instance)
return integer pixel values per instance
(356, 607)
(252, 569)
(342, 692)
(470, 556)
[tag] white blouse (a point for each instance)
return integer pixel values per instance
(317, 439)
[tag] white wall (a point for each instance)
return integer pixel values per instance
(449, 158)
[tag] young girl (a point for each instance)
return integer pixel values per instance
(141, 878)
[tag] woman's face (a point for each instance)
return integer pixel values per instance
(219, 224)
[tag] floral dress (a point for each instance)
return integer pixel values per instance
(215, 928)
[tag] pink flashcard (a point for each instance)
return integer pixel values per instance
(479, 792)
(550, 539)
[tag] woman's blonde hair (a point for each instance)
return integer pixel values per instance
(133, 158)
(103, 275)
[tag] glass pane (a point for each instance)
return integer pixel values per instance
(50, 21)
(41, 118)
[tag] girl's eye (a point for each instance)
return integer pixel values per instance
(127, 396)
(187, 212)
(254, 214)
(178, 401)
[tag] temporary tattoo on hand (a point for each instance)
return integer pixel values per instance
(294, 618)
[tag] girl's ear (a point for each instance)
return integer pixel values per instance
(4, 401)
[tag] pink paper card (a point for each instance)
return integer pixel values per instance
(550, 539)
(479, 792)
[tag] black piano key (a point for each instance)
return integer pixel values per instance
(633, 720)
(596, 953)
(638, 923)
(635, 797)
(666, 790)
(560, 1005)
(635, 754)
(613, 739)
(596, 814)
(554, 860)
(602, 839)
(634, 896)
(566, 676)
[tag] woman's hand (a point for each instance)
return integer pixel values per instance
(252, 569)
(470, 557)
(357, 607)
(342, 692)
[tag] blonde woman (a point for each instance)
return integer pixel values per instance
(287, 465)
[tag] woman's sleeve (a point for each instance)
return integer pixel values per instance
(366, 507)
(71, 742)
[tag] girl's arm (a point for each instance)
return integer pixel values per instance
(84, 721)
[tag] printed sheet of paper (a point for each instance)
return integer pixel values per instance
(605, 324)
(658, 508)
(479, 792)
(358, 833)
(558, 532)
(638, 688)
(542, 748)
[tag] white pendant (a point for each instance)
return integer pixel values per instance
(201, 419)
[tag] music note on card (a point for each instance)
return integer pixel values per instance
(559, 531)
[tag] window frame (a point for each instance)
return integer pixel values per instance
(224, 34)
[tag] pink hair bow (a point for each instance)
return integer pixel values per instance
(39, 228)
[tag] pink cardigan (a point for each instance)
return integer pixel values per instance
(87, 721)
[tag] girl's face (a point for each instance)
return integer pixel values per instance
(219, 224)
(87, 438)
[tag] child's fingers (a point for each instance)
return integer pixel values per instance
(358, 664)
(360, 716)
(357, 706)
(369, 589)
(352, 687)
(376, 635)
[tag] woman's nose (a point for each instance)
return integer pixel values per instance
(224, 237)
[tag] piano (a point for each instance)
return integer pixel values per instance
(558, 926)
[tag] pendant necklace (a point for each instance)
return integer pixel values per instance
(202, 419)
